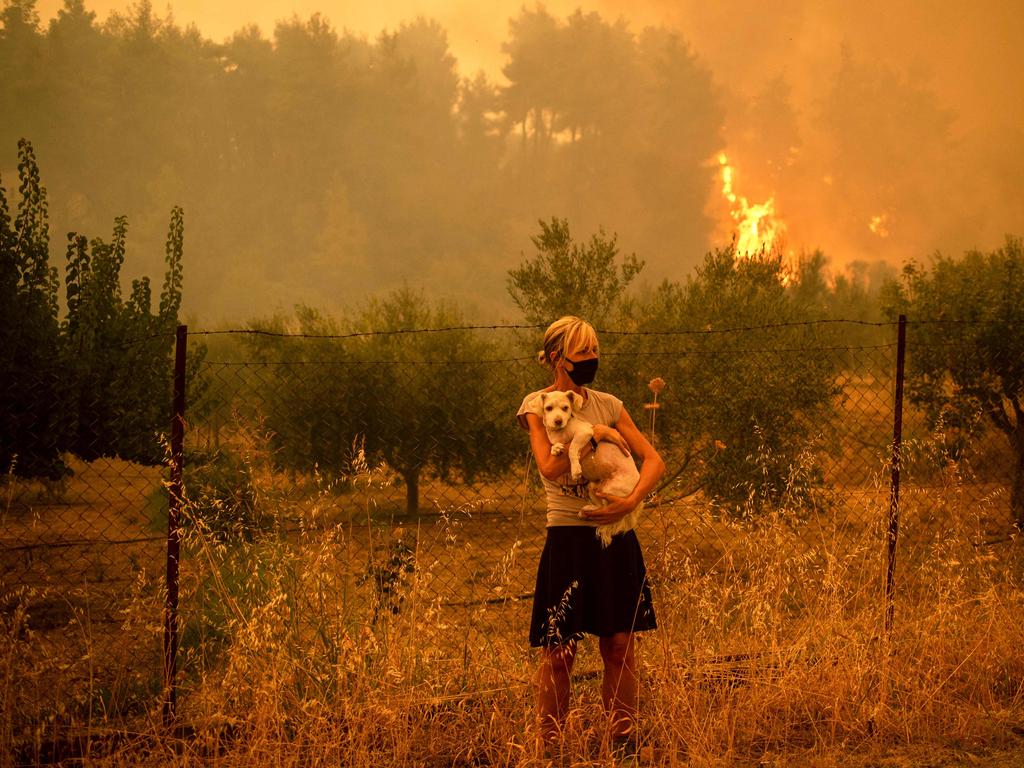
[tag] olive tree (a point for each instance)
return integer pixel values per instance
(403, 380)
(568, 278)
(965, 341)
(748, 397)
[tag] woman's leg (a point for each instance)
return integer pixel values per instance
(552, 685)
(620, 686)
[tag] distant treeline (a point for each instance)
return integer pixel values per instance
(322, 166)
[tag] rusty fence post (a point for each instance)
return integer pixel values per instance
(897, 459)
(174, 494)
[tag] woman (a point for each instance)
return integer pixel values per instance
(582, 587)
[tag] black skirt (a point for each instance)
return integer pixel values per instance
(584, 588)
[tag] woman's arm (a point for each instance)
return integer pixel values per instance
(650, 473)
(552, 467)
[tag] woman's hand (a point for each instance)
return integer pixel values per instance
(616, 509)
(611, 435)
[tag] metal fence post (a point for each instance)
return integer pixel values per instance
(897, 444)
(174, 494)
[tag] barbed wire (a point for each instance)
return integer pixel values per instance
(260, 363)
(360, 334)
(524, 326)
(531, 359)
(515, 326)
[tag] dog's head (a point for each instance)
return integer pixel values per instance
(556, 408)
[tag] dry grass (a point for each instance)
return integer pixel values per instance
(340, 640)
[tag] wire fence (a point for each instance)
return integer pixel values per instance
(382, 477)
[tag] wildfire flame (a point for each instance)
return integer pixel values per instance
(757, 228)
(880, 225)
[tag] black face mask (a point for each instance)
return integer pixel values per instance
(583, 372)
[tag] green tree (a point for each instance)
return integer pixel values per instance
(29, 366)
(90, 384)
(745, 396)
(118, 350)
(422, 418)
(566, 278)
(967, 373)
(427, 403)
(305, 408)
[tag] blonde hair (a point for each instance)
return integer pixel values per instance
(568, 332)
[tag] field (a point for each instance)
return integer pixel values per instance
(344, 632)
(771, 648)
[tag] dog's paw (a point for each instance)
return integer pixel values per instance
(557, 449)
(576, 473)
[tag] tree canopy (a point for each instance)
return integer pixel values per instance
(566, 278)
(965, 344)
(87, 382)
(428, 403)
(740, 410)
(310, 150)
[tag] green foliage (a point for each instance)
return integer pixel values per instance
(566, 278)
(416, 415)
(221, 496)
(739, 411)
(96, 383)
(29, 365)
(391, 577)
(304, 408)
(170, 296)
(967, 369)
(410, 412)
(118, 350)
(247, 574)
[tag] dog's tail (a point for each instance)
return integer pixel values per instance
(605, 532)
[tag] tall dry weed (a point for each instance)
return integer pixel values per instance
(301, 647)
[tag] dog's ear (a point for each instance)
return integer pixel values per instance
(536, 404)
(576, 399)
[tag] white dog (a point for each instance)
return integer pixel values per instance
(608, 470)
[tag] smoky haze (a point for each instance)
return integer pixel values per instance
(323, 158)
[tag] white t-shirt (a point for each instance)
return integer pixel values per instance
(565, 498)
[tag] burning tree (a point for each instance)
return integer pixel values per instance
(968, 373)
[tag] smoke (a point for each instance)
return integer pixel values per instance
(905, 111)
(884, 129)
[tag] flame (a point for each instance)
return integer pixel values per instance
(757, 228)
(879, 224)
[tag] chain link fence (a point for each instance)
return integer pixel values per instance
(335, 485)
